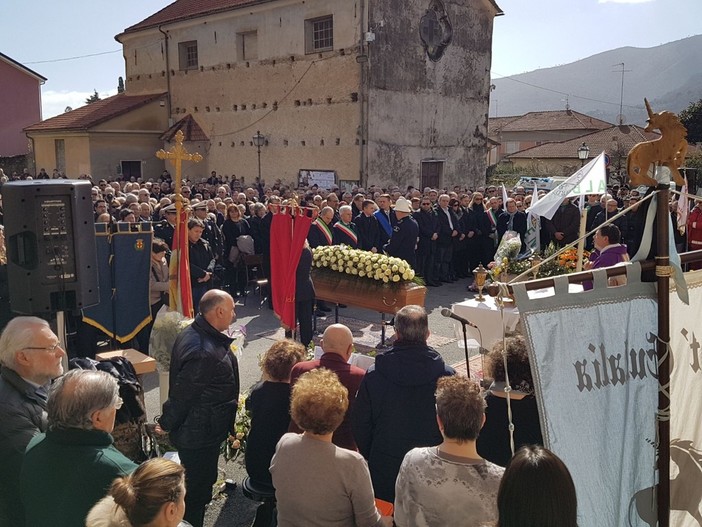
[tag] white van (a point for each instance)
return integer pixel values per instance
(542, 183)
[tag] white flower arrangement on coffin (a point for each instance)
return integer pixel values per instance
(363, 264)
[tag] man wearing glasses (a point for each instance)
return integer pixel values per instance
(30, 358)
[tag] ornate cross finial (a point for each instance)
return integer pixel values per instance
(178, 154)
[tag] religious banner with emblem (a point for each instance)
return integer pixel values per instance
(124, 263)
(594, 361)
(686, 406)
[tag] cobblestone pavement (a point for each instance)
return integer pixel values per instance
(231, 508)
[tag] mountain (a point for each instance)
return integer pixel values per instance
(669, 76)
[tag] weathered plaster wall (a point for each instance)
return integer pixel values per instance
(424, 110)
(305, 104)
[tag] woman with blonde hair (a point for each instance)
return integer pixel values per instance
(336, 480)
(152, 496)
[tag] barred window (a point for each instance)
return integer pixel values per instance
(187, 54)
(319, 34)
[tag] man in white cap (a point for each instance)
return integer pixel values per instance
(403, 242)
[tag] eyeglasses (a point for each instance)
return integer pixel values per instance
(50, 349)
(426, 204)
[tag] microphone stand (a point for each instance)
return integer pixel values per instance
(465, 347)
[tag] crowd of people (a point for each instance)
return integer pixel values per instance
(408, 432)
(397, 443)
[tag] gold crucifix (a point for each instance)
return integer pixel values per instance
(178, 154)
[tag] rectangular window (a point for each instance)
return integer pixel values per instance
(319, 34)
(247, 44)
(60, 153)
(187, 55)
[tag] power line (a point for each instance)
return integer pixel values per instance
(74, 58)
(563, 93)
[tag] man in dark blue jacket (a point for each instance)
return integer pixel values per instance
(405, 233)
(202, 399)
(395, 410)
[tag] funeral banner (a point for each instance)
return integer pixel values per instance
(593, 356)
(124, 263)
(686, 406)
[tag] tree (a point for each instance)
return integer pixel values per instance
(120, 85)
(691, 118)
(93, 98)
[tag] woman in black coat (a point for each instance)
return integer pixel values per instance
(233, 227)
(304, 295)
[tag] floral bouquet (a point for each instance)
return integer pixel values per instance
(167, 327)
(235, 445)
(364, 264)
(506, 252)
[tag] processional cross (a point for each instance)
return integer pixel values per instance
(178, 154)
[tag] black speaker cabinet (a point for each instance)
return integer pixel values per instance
(50, 236)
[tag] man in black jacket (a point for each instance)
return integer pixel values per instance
(202, 398)
(30, 357)
(394, 410)
(426, 247)
(201, 260)
(368, 228)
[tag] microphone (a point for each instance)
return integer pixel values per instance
(450, 314)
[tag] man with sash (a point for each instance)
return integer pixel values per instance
(386, 218)
(321, 233)
(344, 229)
(493, 213)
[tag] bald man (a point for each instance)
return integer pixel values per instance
(337, 343)
(202, 398)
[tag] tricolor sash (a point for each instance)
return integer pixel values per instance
(322, 226)
(346, 229)
(493, 217)
(384, 221)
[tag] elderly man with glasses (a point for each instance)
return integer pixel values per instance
(70, 468)
(30, 358)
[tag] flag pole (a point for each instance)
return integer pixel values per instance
(581, 235)
(663, 273)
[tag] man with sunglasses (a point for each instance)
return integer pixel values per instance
(30, 358)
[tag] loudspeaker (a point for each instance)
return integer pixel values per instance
(50, 236)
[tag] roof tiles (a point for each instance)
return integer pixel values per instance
(92, 114)
(184, 9)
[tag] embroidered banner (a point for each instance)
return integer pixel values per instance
(594, 361)
(686, 406)
(124, 261)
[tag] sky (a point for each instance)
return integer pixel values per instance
(72, 44)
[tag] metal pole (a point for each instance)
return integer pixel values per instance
(258, 148)
(663, 272)
(465, 348)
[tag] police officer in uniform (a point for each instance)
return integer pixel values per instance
(403, 242)
(166, 228)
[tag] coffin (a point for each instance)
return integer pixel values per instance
(340, 288)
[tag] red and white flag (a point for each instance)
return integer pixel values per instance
(180, 288)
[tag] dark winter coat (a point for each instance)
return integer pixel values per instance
(395, 411)
(23, 415)
(203, 388)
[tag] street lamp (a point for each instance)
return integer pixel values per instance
(259, 140)
(583, 154)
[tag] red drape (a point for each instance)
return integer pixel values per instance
(287, 240)
(180, 289)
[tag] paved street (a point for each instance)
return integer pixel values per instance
(232, 509)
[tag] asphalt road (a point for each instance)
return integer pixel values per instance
(231, 508)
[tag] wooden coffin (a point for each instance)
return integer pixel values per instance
(340, 288)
